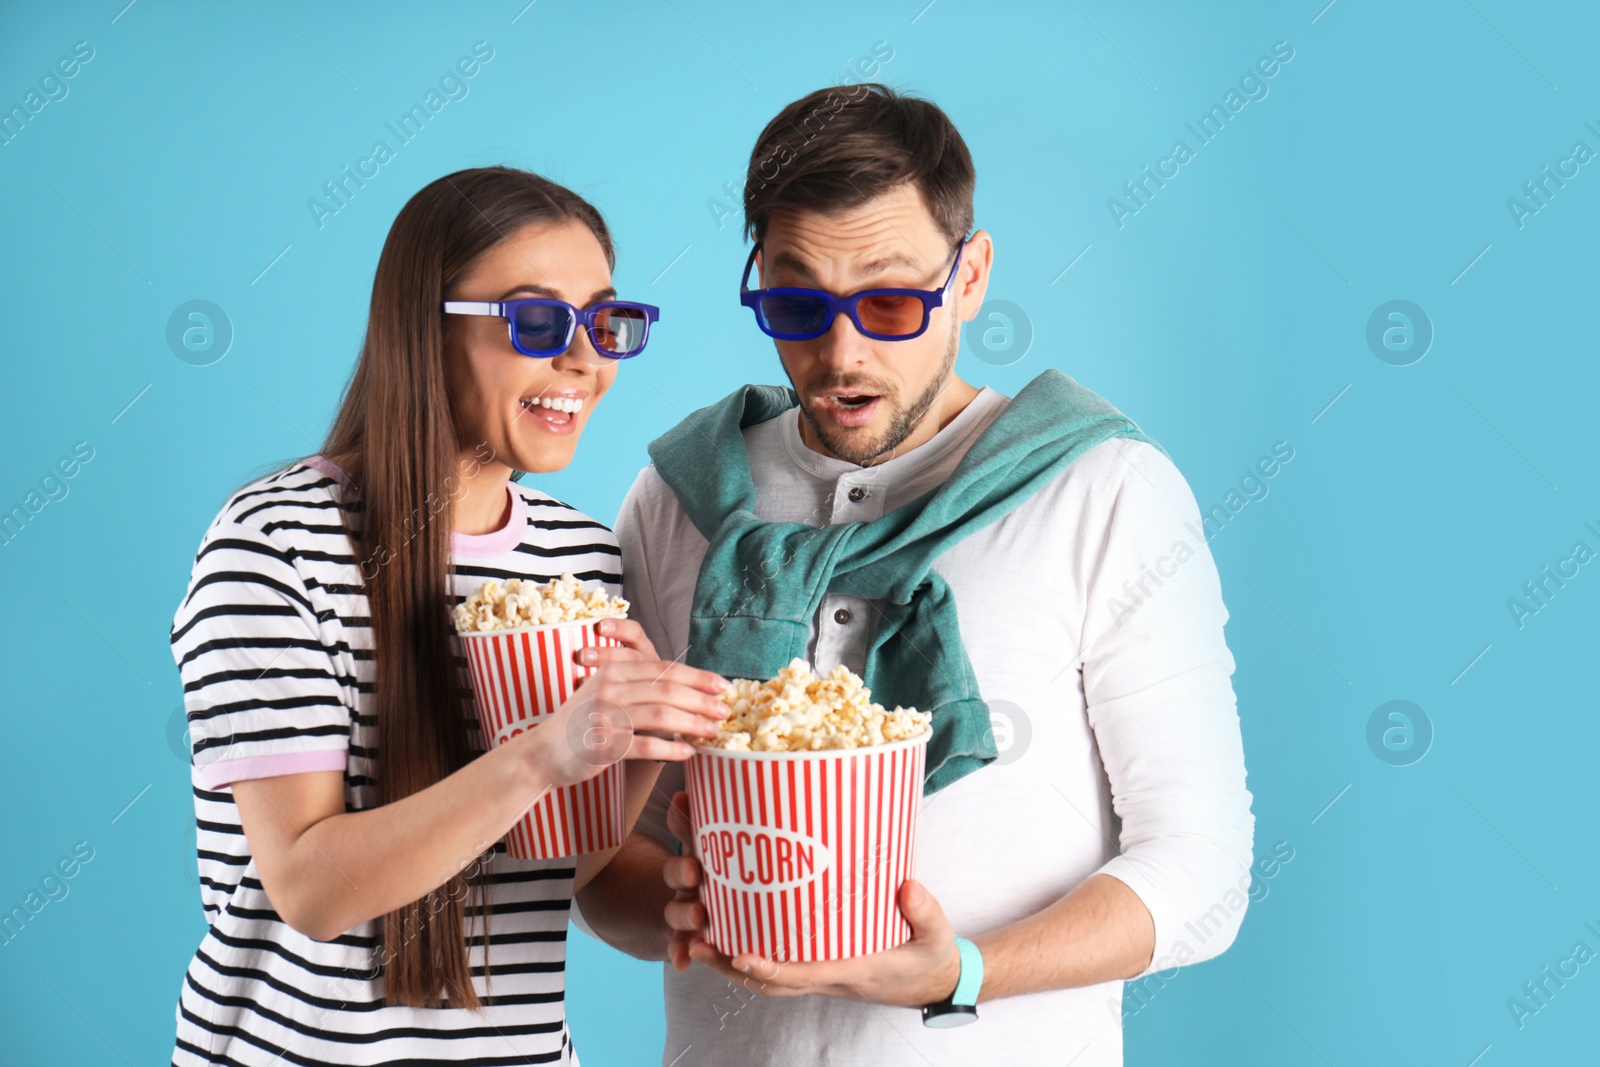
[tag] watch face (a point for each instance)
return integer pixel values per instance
(946, 1016)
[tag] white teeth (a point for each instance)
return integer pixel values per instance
(570, 405)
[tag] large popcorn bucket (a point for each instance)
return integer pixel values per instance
(521, 676)
(804, 853)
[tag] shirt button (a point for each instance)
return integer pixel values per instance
(842, 616)
(857, 495)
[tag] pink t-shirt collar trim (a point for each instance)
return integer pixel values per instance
(493, 543)
(331, 469)
(498, 541)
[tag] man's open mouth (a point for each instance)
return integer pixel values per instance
(852, 401)
(849, 410)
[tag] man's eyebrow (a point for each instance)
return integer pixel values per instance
(789, 263)
(883, 263)
(540, 290)
(793, 264)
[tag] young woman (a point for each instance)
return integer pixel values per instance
(362, 907)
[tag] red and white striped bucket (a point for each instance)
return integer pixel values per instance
(519, 677)
(804, 853)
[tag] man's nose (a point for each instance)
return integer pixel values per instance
(843, 347)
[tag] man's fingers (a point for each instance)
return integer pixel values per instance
(678, 950)
(702, 952)
(923, 912)
(792, 976)
(678, 820)
(685, 916)
(681, 873)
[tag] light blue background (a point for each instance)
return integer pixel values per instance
(1225, 316)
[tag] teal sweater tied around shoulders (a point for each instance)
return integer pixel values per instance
(761, 583)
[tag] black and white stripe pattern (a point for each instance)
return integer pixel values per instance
(273, 643)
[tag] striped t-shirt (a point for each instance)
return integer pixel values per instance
(274, 646)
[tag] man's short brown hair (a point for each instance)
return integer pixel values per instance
(837, 148)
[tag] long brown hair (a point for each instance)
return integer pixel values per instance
(399, 437)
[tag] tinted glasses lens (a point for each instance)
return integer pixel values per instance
(891, 316)
(793, 313)
(619, 331)
(542, 328)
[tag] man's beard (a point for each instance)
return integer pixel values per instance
(850, 445)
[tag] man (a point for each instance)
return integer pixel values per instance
(1112, 837)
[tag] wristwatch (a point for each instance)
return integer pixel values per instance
(960, 1007)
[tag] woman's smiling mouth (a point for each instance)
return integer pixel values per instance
(554, 414)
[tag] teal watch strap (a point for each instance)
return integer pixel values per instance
(967, 986)
(961, 1007)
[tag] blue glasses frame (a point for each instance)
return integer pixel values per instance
(508, 310)
(830, 306)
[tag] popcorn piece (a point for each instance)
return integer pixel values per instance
(799, 711)
(518, 603)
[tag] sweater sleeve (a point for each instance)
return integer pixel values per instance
(1157, 682)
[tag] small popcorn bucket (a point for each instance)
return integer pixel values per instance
(519, 677)
(804, 853)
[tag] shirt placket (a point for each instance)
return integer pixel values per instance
(845, 623)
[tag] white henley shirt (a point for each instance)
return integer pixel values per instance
(1093, 619)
